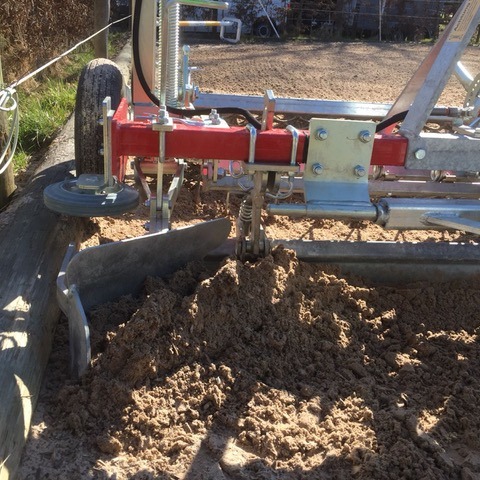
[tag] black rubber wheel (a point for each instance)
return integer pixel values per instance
(263, 29)
(100, 78)
(66, 198)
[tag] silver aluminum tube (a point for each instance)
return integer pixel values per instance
(414, 213)
(463, 75)
(336, 210)
(383, 263)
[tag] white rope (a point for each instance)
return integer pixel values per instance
(9, 101)
(64, 54)
(9, 104)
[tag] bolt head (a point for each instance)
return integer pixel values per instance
(321, 134)
(365, 136)
(317, 168)
(359, 171)
(420, 153)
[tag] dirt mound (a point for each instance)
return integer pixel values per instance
(280, 369)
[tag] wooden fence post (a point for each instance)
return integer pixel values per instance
(101, 14)
(7, 181)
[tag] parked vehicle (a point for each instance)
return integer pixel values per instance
(263, 18)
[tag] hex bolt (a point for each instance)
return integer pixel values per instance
(420, 153)
(162, 111)
(162, 116)
(321, 134)
(365, 136)
(214, 117)
(317, 168)
(359, 171)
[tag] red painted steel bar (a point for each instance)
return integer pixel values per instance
(135, 138)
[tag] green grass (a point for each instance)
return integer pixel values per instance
(45, 108)
(42, 112)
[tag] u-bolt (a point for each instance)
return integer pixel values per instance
(253, 139)
(295, 136)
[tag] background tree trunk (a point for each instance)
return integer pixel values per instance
(101, 14)
(7, 182)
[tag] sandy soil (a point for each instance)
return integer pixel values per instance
(276, 369)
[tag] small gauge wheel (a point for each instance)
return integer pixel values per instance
(68, 199)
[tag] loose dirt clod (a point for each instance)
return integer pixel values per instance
(280, 369)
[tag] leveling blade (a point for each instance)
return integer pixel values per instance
(103, 273)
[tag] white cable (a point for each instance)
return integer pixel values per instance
(64, 54)
(9, 101)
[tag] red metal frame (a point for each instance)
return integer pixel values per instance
(137, 138)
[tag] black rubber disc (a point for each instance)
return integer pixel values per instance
(66, 198)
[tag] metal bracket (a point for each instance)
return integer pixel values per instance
(336, 172)
(107, 117)
(161, 212)
(268, 110)
(78, 330)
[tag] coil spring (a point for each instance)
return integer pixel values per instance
(245, 213)
(174, 39)
(158, 59)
